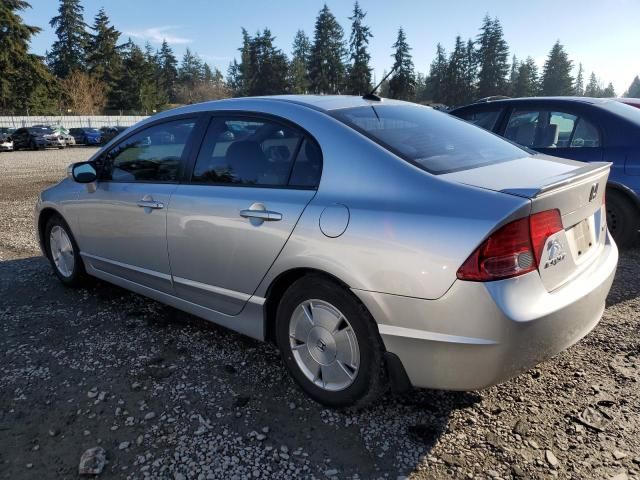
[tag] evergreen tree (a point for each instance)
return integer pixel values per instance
(436, 83)
(513, 76)
(234, 78)
(168, 74)
(359, 77)
(634, 89)
(247, 65)
(402, 84)
(103, 56)
(298, 67)
(326, 62)
(556, 76)
(527, 81)
(492, 58)
(271, 66)
(593, 88)
(191, 70)
(68, 51)
(456, 75)
(25, 83)
(609, 92)
(471, 69)
(578, 86)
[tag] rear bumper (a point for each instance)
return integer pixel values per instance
(481, 334)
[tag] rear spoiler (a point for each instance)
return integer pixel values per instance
(558, 182)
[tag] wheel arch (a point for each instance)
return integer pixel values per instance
(627, 193)
(43, 217)
(276, 290)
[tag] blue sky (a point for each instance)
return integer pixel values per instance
(603, 35)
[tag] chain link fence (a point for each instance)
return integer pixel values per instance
(68, 121)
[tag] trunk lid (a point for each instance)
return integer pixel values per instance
(576, 189)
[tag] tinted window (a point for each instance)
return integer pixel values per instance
(485, 119)
(545, 129)
(585, 135)
(308, 167)
(435, 141)
(151, 155)
(246, 151)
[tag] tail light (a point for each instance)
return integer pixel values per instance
(513, 249)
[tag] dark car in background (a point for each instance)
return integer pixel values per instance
(6, 143)
(577, 128)
(109, 133)
(86, 135)
(37, 137)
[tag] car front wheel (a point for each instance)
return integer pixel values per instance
(622, 219)
(330, 344)
(63, 252)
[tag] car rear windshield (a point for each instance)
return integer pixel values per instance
(432, 140)
(41, 130)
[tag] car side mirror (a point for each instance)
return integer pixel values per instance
(84, 172)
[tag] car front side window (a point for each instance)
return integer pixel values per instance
(154, 154)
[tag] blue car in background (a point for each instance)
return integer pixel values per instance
(579, 128)
(86, 136)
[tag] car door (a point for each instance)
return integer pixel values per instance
(19, 137)
(251, 181)
(555, 130)
(122, 218)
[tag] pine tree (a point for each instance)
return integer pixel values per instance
(634, 89)
(234, 78)
(190, 73)
(68, 51)
(25, 83)
(326, 62)
(578, 86)
(556, 76)
(513, 76)
(247, 65)
(527, 82)
(456, 75)
(271, 67)
(471, 69)
(298, 67)
(593, 88)
(609, 92)
(104, 61)
(359, 77)
(436, 83)
(492, 58)
(402, 84)
(168, 71)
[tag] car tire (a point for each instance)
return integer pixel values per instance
(32, 145)
(63, 253)
(338, 366)
(622, 219)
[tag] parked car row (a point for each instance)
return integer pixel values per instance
(45, 136)
(576, 128)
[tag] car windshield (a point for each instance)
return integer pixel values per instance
(434, 141)
(41, 130)
(92, 130)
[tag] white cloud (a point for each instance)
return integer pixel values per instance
(158, 34)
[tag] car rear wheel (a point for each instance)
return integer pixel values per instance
(622, 219)
(63, 253)
(330, 344)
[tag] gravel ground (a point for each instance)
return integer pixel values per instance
(168, 396)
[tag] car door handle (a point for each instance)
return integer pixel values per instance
(150, 204)
(264, 215)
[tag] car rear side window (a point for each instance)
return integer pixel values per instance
(152, 155)
(435, 141)
(484, 119)
(253, 151)
(551, 129)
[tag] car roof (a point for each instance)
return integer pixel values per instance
(324, 103)
(509, 101)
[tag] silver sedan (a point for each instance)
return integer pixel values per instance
(378, 243)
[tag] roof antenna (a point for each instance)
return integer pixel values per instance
(372, 94)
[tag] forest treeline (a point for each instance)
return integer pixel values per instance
(91, 68)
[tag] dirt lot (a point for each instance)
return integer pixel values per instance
(168, 396)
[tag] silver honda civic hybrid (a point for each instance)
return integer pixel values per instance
(377, 243)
